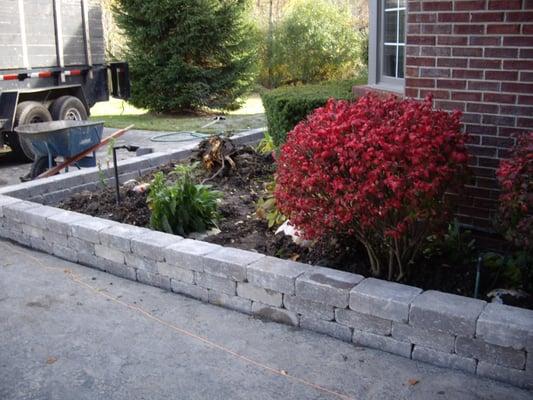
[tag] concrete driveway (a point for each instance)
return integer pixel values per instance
(70, 332)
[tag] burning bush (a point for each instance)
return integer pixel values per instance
(376, 170)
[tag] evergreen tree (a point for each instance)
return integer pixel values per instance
(188, 54)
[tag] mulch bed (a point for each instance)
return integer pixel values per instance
(242, 185)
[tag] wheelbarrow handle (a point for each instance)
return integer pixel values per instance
(91, 149)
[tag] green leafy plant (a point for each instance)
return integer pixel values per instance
(266, 145)
(266, 207)
(315, 41)
(456, 245)
(514, 270)
(182, 207)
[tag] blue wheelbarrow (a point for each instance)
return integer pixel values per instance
(66, 139)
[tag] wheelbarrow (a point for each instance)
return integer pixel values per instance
(75, 141)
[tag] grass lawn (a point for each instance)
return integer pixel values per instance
(119, 114)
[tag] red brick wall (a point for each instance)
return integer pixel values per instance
(475, 56)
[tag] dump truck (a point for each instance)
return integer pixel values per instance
(52, 65)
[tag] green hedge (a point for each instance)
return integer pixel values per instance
(288, 105)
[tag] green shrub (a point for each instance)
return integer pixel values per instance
(182, 207)
(288, 105)
(315, 41)
(188, 54)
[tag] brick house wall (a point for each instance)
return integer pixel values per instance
(475, 56)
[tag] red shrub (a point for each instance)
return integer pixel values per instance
(376, 169)
(516, 198)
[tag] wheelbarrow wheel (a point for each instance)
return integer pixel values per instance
(28, 112)
(39, 166)
(68, 108)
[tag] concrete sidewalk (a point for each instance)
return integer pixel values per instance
(70, 332)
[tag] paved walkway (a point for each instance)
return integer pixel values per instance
(71, 332)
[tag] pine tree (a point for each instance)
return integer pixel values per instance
(188, 54)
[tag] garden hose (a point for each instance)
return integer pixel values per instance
(176, 137)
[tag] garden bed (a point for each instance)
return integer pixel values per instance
(239, 226)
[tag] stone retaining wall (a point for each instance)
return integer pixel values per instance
(490, 340)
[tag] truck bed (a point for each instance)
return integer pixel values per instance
(28, 37)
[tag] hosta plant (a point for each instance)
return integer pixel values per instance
(182, 207)
(376, 170)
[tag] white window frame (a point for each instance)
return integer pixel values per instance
(375, 50)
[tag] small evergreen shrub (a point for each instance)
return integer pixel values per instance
(376, 170)
(188, 54)
(287, 106)
(182, 207)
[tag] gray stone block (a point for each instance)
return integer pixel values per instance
(516, 377)
(33, 231)
(186, 289)
(276, 274)
(88, 229)
(150, 244)
(57, 196)
(61, 222)
(89, 260)
(14, 212)
(80, 246)
(19, 191)
(229, 262)
(232, 302)
(446, 312)
(54, 237)
(308, 308)
(327, 328)
(436, 340)
(491, 353)
(216, 283)
(327, 286)
(363, 322)
(41, 245)
(64, 252)
(37, 216)
(141, 263)
(110, 254)
(506, 326)
(269, 313)
(384, 343)
(117, 269)
(442, 359)
(6, 201)
(188, 253)
(265, 296)
(119, 236)
(151, 279)
(179, 274)
(388, 300)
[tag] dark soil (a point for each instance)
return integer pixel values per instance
(242, 186)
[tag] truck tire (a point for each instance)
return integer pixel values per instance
(68, 108)
(28, 112)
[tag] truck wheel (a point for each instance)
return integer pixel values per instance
(28, 112)
(69, 108)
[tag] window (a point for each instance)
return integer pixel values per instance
(387, 44)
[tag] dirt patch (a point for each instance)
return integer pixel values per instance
(242, 182)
